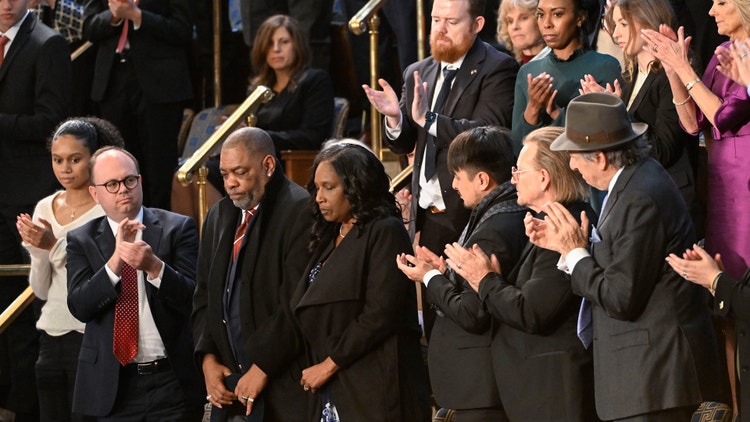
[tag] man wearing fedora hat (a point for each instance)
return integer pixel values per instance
(655, 354)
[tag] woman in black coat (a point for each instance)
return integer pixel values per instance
(354, 310)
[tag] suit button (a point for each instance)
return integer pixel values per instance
(721, 305)
(224, 321)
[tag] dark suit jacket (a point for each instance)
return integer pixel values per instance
(459, 352)
(653, 337)
(542, 370)
(482, 94)
(300, 119)
(670, 145)
(273, 260)
(35, 96)
(91, 299)
(360, 312)
(731, 301)
(157, 48)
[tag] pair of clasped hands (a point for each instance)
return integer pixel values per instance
(558, 231)
(136, 253)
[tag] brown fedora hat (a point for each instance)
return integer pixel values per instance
(596, 121)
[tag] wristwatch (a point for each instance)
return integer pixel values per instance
(430, 118)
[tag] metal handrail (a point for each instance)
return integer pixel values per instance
(22, 301)
(245, 112)
(358, 24)
(402, 179)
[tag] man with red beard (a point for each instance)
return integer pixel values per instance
(478, 91)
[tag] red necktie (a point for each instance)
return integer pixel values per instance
(123, 37)
(3, 40)
(125, 343)
(239, 235)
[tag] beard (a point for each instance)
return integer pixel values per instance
(451, 52)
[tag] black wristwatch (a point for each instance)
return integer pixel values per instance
(430, 118)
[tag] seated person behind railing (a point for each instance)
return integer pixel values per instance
(44, 237)
(299, 116)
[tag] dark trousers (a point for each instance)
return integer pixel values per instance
(149, 129)
(56, 376)
(153, 397)
(19, 343)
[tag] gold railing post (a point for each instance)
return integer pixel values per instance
(202, 197)
(375, 128)
(217, 52)
(358, 25)
(421, 54)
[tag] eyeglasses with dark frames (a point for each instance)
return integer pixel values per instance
(113, 186)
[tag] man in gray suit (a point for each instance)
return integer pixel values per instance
(655, 354)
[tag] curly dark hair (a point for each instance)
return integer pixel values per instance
(93, 132)
(364, 181)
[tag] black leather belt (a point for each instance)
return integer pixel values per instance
(147, 368)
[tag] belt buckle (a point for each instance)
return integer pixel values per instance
(147, 368)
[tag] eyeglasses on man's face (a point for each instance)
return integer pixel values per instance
(113, 186)
(514, 172)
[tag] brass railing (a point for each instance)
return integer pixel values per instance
(197, 161)
(402, 179)
(358, 25)
(22, 301)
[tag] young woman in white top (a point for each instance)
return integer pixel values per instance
(44, 237)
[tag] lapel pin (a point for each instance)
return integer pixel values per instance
(473, 72)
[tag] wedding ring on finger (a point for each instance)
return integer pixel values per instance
(208, 397)
(684, 275)
(306, 387)
(458, 265)
(655, 47)
(246, 398)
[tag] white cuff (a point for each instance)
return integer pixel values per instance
(428, 276)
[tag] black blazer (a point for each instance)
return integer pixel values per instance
(653, 336)
(731, 301)
(482, 94)
(35, 96)
(92, 297)
(360, 311)
(670, 145)
(542, 370)
(459, 352)
(273, 260)
(158, 48)
(300, 119)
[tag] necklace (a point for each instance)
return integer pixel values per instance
(73, 209)
(341, 233)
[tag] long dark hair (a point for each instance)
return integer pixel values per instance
(365, 184)
(263, 40)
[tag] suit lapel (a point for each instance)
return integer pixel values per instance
(105, 239)
(614, 195)
(22, 37)
(152, 234)
(430, 75)
(641, 93)
(466, 75)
